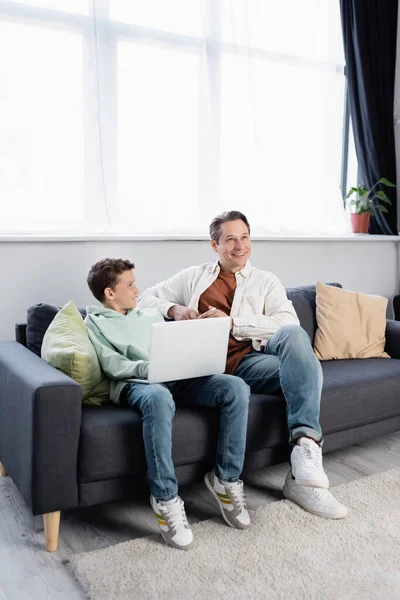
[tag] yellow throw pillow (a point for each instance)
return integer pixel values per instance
(67, 347)
(350, 324)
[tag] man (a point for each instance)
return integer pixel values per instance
(120, 333)
(267, 348)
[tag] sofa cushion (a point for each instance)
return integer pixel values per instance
(358, 392)
(67, 347)
(303, 299)
(350, 324)
(111, 443)
(355, 393)
(38, 318)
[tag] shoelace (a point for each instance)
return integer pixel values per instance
(237, 493)
(308, 453)
(320, 493)
(175, 515)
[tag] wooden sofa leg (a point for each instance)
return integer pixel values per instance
(51, 528)
(3, 472)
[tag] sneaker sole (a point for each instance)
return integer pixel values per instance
(317, 513)
(211, 489)
(172, 544)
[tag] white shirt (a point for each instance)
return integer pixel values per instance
(259, 308)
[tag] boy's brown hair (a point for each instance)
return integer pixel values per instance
(104, 274)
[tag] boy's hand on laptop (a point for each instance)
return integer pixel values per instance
(182, 313)
(213, 312)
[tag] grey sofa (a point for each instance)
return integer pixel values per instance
(62, 455)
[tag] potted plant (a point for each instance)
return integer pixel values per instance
(366, 203)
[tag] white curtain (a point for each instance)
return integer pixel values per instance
(151, 116)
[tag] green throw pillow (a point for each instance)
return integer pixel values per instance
(67, 347)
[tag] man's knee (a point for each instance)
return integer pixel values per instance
(159, 401)
(295, 334)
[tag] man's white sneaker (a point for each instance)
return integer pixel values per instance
(231, 502)
(317, 501)
(306, 461)
(172, 521)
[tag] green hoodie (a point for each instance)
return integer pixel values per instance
(121, 343)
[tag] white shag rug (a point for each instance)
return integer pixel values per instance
(287, 554)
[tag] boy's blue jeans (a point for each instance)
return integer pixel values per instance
(156, 403)
(288, 364)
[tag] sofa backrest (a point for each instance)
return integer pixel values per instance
(39, 317)
(304, 303)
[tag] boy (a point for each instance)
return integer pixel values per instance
(120, 333)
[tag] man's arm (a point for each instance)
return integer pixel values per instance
(170, 297)
(278, 311)
(114, 364)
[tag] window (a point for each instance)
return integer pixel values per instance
(41, 141)
(151, 117)
(158, 153)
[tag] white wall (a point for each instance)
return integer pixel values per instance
(55, 272)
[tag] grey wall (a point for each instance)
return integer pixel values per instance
(55, 272)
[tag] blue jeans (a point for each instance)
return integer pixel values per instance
(156, 403)
(288, 365)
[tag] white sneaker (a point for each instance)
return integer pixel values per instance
(231, 502)
(317, 501)
(173, 523)
(306, 461)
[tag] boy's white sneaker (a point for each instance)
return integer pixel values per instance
(173, 523)
(317, 501)
(231, 502)
(306, 462)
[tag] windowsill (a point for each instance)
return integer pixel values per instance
(114, 237)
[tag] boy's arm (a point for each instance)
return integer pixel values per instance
(114, 364)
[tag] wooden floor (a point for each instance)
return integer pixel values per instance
(28, 572)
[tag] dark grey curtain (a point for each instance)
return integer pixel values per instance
(369, 36)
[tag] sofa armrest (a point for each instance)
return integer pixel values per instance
(392, 346)
(40, 420)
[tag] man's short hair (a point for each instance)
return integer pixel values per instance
(228, 215)
(104, 274)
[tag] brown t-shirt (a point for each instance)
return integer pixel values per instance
(220, 294)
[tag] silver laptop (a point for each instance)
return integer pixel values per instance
(185, 349)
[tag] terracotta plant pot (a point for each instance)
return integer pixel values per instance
(360, 222)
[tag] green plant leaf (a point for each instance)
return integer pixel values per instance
(351, 191)
(383, 208)
(387, 182)
(382, 196)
